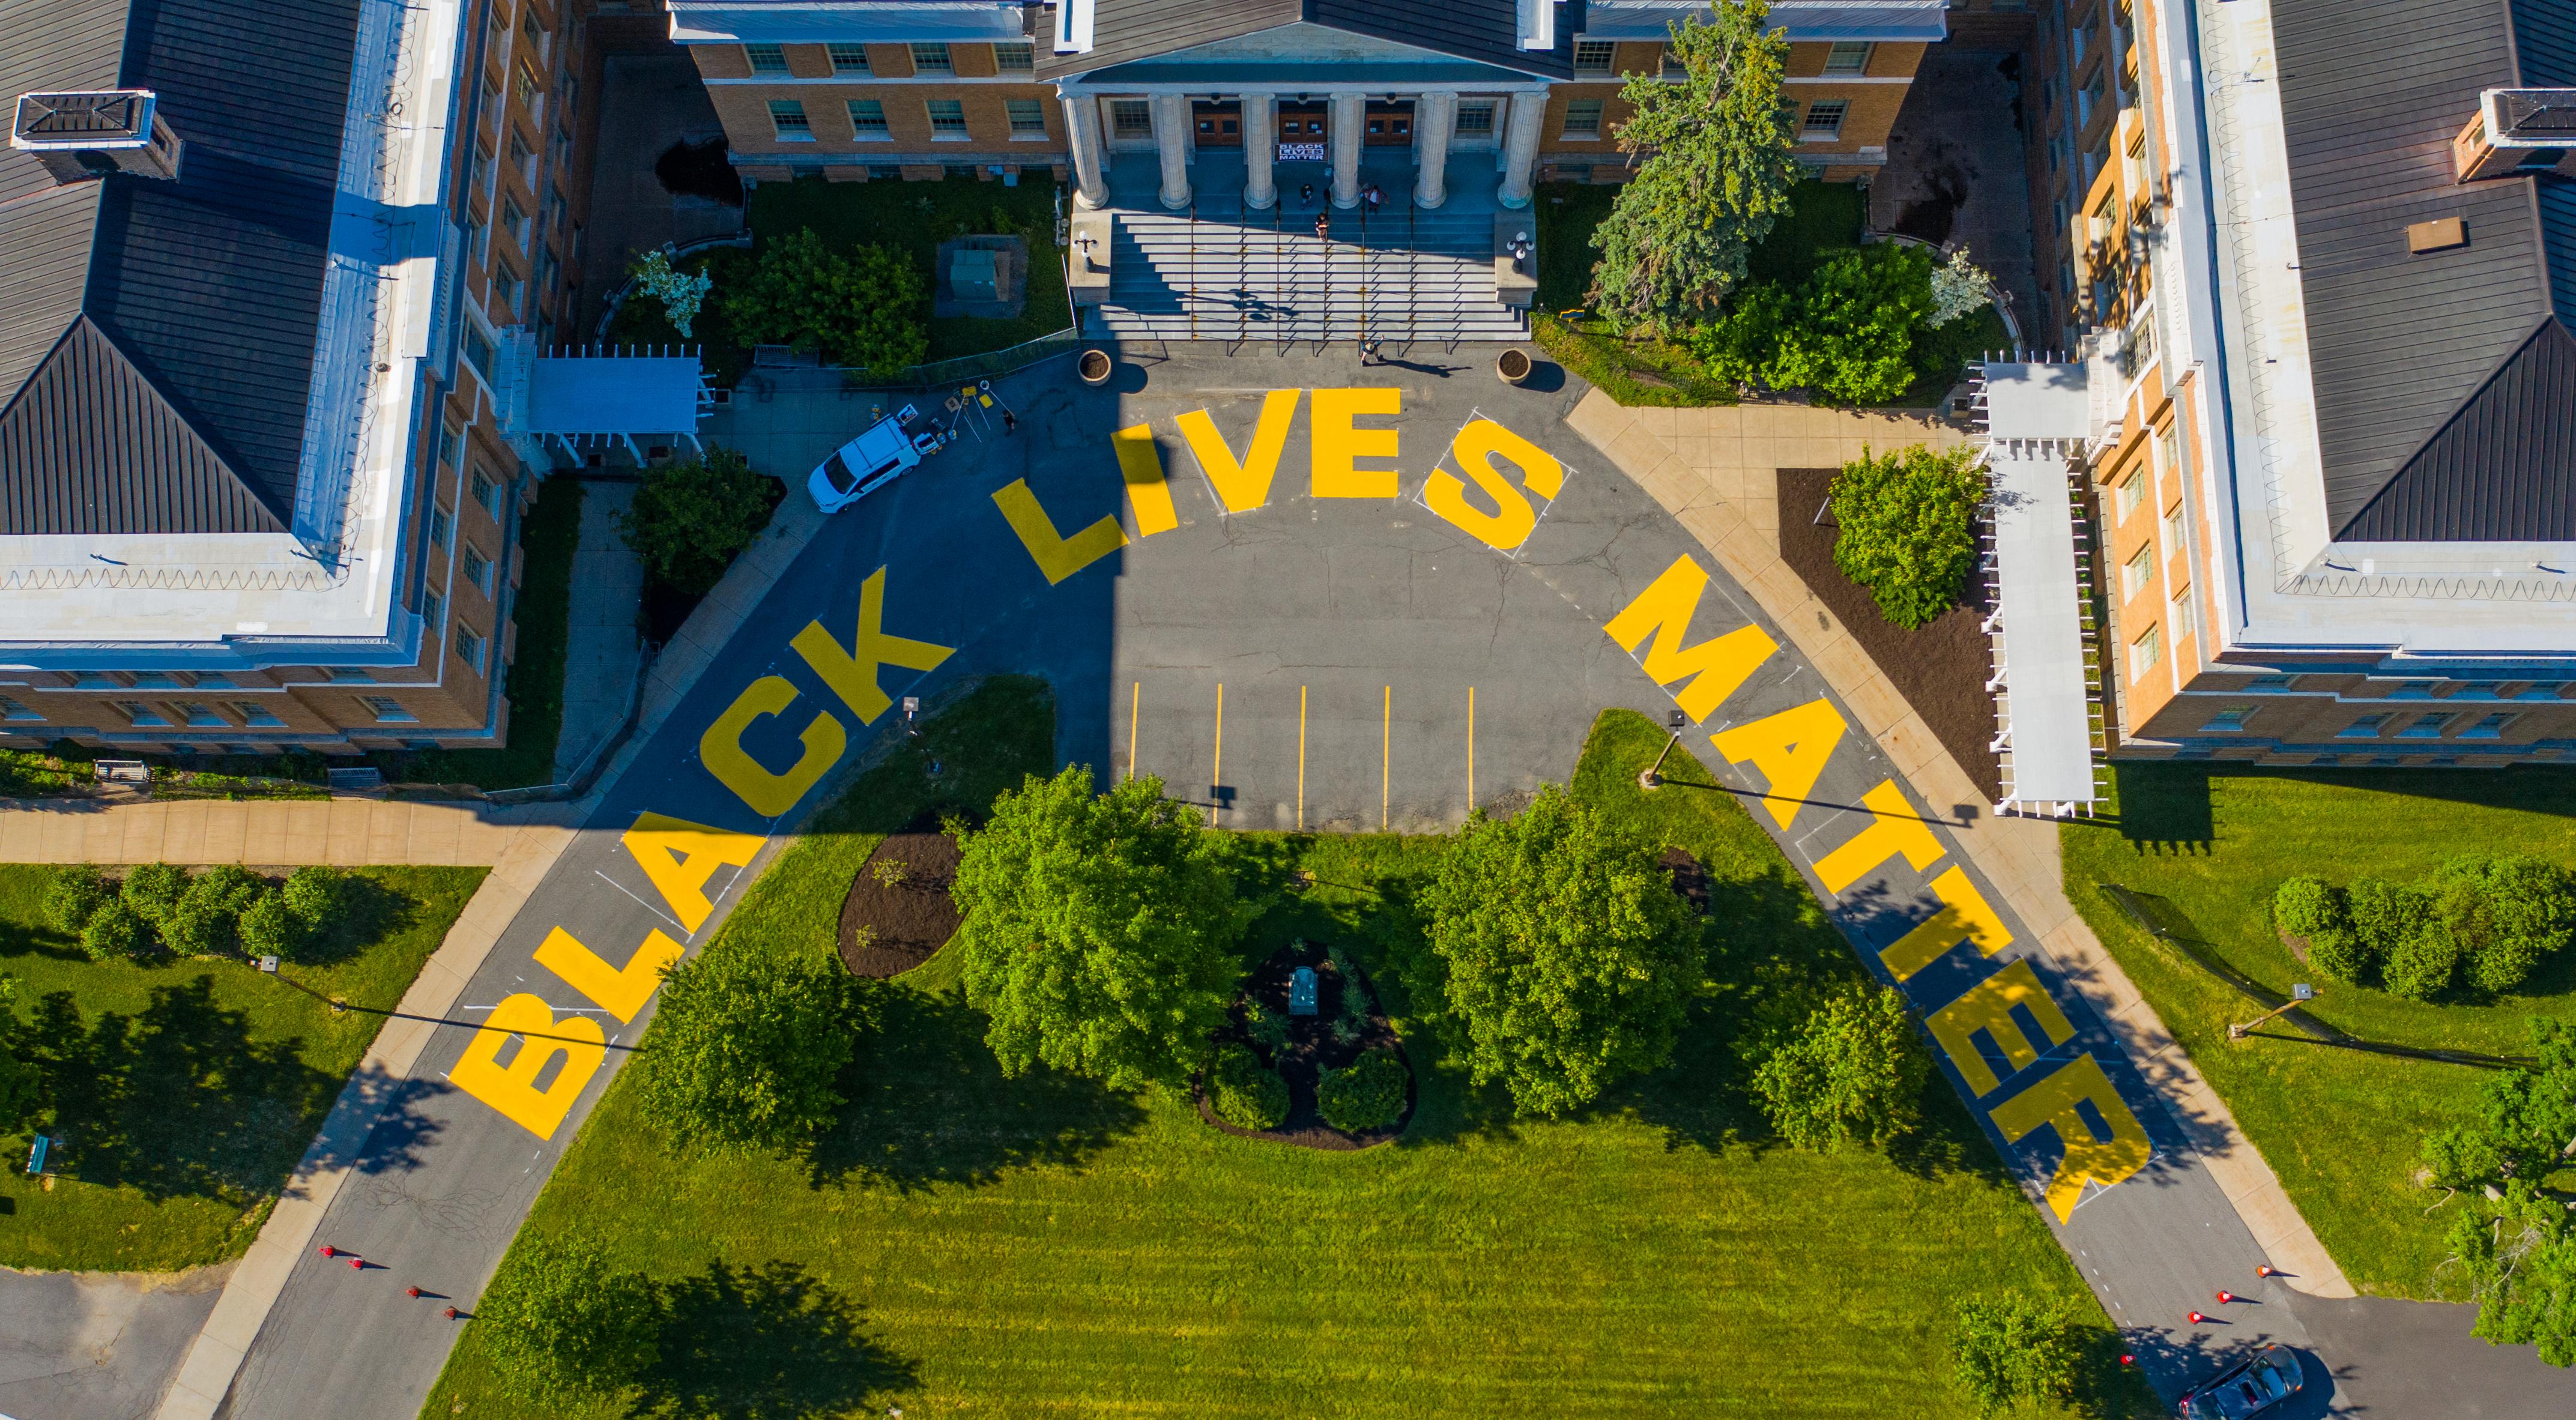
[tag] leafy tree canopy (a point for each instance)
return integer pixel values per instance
(2521, 1262)
(1853, 1072)
(1908, 528)
(1560, 952)
(562, 1322)
(862, 309)
(2013, 1348)
(689, 520)
(1717, 176)
(746, 1047)
(2526, 1119)
(1098, 929)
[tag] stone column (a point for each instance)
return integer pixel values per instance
(1520, 148)
(1435, 117)
(1350, 125)
(1082, 133)
(1260, 145)
(1172, 141)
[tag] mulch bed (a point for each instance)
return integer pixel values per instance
(1940, 669)
(1312, 1049)
(911, 919)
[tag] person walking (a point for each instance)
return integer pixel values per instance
(1375, 197)
(1305, 194)
(1323, 226)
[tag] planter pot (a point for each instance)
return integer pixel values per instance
(1095, 366)
(1513, 365)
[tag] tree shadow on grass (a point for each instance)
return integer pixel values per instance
(18, 939)
(767, 1342)
(178, 1099)
(928, 1104)
(363, 913)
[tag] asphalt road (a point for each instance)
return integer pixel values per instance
(96, 1346)
(1433, 670)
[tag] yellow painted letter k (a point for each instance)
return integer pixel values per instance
(852, 674)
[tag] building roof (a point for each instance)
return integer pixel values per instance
(2425, 366)
(156, 354)
(1484, 30)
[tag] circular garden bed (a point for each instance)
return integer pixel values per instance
(1308, 1075)
(899, 911)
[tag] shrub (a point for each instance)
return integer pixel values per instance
(2382, 916)
(75, 895)
(1908, 529)
(1268, 1028)
(1852, 1072)
(2012, 1348)
(862, 309)
(2506, 914)
(314, 894)
(1367, 1095)
(205, 921)
(746, 1048)
(116, 932)
(1959, 288)
(690, 519)
(2306, 906)
(889, 872)
(2425, 963)
(1857, 318)
(1243, 1092)
(268, 927)
(153, 889)
(561, 1321)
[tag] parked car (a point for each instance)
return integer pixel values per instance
(867, 463)
(2248, 1388)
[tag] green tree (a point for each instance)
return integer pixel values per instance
(1853, 337)
(2506, 914)
(1098, 929)
(2526, 1124)
(205, 921)
(20, 1089)
(2521, 1262)
(862, 309)
(268, 927)
(746, 1048)
(314, 893)
(76, 894)
(152, 889)
(562, 1322)
(689, 520)
(116, 932)
(1852, 1072)
(1717, 174)
(1559, 953)
(1908, 528)
(1244, 1092)
(1366, 1095)
(2014, 1347)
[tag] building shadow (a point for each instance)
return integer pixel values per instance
(767, 1342)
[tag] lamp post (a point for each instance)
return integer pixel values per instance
(2300, 995)
(1652, 777)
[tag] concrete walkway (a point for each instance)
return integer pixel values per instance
(602, 647)
(1713, 469)
(351, 832)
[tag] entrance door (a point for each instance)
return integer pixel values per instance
(1301, 132)
(1389, 125)
(1218, 125)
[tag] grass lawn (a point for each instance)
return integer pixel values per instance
(968, 1244)
(2340, 1127)
(188, 1089)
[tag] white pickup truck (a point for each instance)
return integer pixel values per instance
(869, 462)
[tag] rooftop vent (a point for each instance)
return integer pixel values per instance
(2517, 131)
(94, 132)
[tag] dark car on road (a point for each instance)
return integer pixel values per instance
(2248, 1388)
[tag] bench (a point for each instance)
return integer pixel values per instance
(121, 771)
(356, 781)
(36, 1156)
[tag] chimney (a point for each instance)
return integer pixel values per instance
(89, 134)
(2517, 131)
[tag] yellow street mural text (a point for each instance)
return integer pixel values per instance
(1894, 828)
(769, 795)
(513, 1089)
(1057, 556)
(1245, 485)
(1987, 1006)
(2051, 1103)
(852, 674)
(1965, 916)
(1140, 465)
(1716, 668)
(1791, 749)
(680, 856)
(620, 991)
(1336, 445)
(1513, 519)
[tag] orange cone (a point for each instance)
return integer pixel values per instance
(2197, 1318)
(330, 1251)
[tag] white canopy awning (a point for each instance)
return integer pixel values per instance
(2037, 420)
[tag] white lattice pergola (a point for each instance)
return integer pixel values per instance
(2038, 418)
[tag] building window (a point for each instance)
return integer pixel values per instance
(199, 716)
(1848, 57)
(349, 675)
(2134, 574)
(138, 713)
(478, 352)
(440, 525)
(947, 119)
(1476, 119)
(2186, 612)
(515, 218)
(788, 122)
(155, 680)
(2228, 720)
(2266, 684)
(506, 286)
(387, 710)
(1130, 118)
(488, 493)
(1594, 56)
(2095, 89)
(2146, 652)
(256, 715)
(766, 58)
(2488, 727)
(1824, 121)
(524, 158)
(215, 682)
(1582, 118)
(2427, 727)
(1028, 118)
(931, 59)
(478, 570)
(433, 610)
(2540, 690)
(2173, 531)
(469, 648)
(1015, 58)
(95, 680)
(17, 710)
(2365, 728)
(868, 120)
(2413, 690)
(2128, 495)
(850, 59)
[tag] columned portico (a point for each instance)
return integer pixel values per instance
(1436, 117)
(1350, 115)
(1172, 142)
(1520, 149)
(1260, 134)
(1090, 171)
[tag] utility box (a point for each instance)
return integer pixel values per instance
(973, 276)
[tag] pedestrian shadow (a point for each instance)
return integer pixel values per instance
(767, 1342)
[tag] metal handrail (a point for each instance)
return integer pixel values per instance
(1190, 303)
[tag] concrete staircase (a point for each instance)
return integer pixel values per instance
(1409, 276)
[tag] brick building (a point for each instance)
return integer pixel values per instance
(2323, 257)
(267, 261)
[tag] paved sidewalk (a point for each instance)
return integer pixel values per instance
(1713, 469)
(602, 646)
(351, 832)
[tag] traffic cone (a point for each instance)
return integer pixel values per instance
(2225, 1296)
(2128, 1360)
(411, 1291)
(2197, 1318)
(358, 1263)
(330, 1251)
(2263, 1270)
(451, 1313)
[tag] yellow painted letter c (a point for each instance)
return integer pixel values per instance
(769, 794)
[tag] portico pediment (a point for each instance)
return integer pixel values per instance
(1304, 52)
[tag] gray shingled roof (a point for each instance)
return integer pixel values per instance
(2430, 371)
(157, 348)
(1124, 31)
